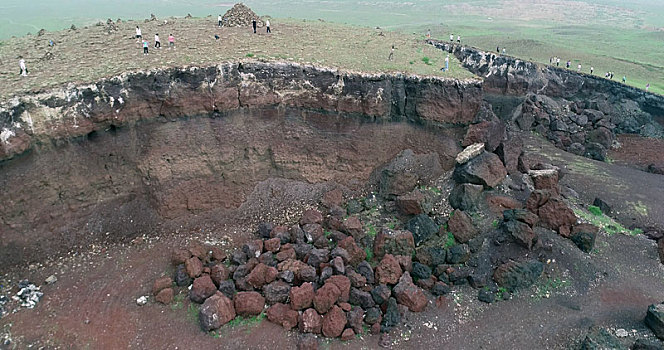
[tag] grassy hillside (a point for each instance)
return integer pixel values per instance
(88, 54)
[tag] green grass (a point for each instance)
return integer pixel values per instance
(192, 312)
(371, 230)
(178, 302)
(605, 223)
(249, 55)
(495, 224)
(370, 254)
(426, 60)
(449, 240)
(545, 288)
(249, 322)
(595, 210)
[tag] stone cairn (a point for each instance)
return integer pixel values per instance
(240, 16)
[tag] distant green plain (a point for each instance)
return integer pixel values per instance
(625, 37)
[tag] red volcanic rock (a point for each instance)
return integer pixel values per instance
(334, 322)
(395, 242)
(490, 133)
(310, 322)
(333, 198)
(165, 296)
(286, 254)
(194, 267)
(161, 283)
(216, 312)
(311, 216)
(411, 203)
(347, 334)
(202, 289)
(461, 226)
(410, 295)
(219, 273)
(355, 253)
(179, 256)
(301, 297)
(353, 226)
(272, 245)
(326, 296)
(556, 214)
(485, 169)
(343, 284)
(283, 315)
(388, 271)
(261, 275)
(249, 303)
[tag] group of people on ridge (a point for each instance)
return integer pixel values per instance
(157, 41)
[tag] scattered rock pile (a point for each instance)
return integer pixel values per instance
(28, 295)
(240, 16)
(332, 274)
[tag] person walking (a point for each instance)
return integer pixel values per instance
(624, 79)
(219, 19)
(458, 39)
(592, 69)
(157, 42)
(391, 56)
(451, 37)
(428, 33)
(497, 49)
(171, 42)
(24, 68)
(647, 87)
(145, 47)
(568, 63)
(558, 62)
(253, 24)
(267, 25)
(447, 63)
(139, 35)
(578, 68)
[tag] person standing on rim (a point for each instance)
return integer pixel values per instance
(145, 47)
(139, 35)
(267, 25)
(219, 20)
(592, 69)
(458, 39)
(24, 68)
(171, 42)
(253, 24)
(452, 37)
(391, 56)
(157, 42)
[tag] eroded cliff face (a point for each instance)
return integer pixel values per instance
(578, 112)
(76, 110)
(122, 156)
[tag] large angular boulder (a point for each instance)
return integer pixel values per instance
(276, 292)
(546, 179)
(343, 284)
(461, 226)
(388, 270)
(466, 196)
(395, 242)
(410, 295)
(486, 169)
(261, 275)
(282, 315)
(518, 275)
(508, 152)
(310, 321)
(655, 319)
(326, 296)
(601, 339)
(405, 172)
(422, 227)
(490, 132)
(356, 253)
(392, 316)
(202, 289)
(412, 203)
(520, 231)
(194, 267)
(583, 235)
(301, 297)
(161, 283)
(555, 214)
(216, 311)
(249, 303)
(334, 322)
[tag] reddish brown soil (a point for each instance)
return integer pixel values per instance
(638, 151)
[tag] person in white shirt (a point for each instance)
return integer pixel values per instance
(451, 37)
(267, 25)
(578, 68)
(157, 42)
(24, 69)
(139, 35)
(458, 39)
(219, 20)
